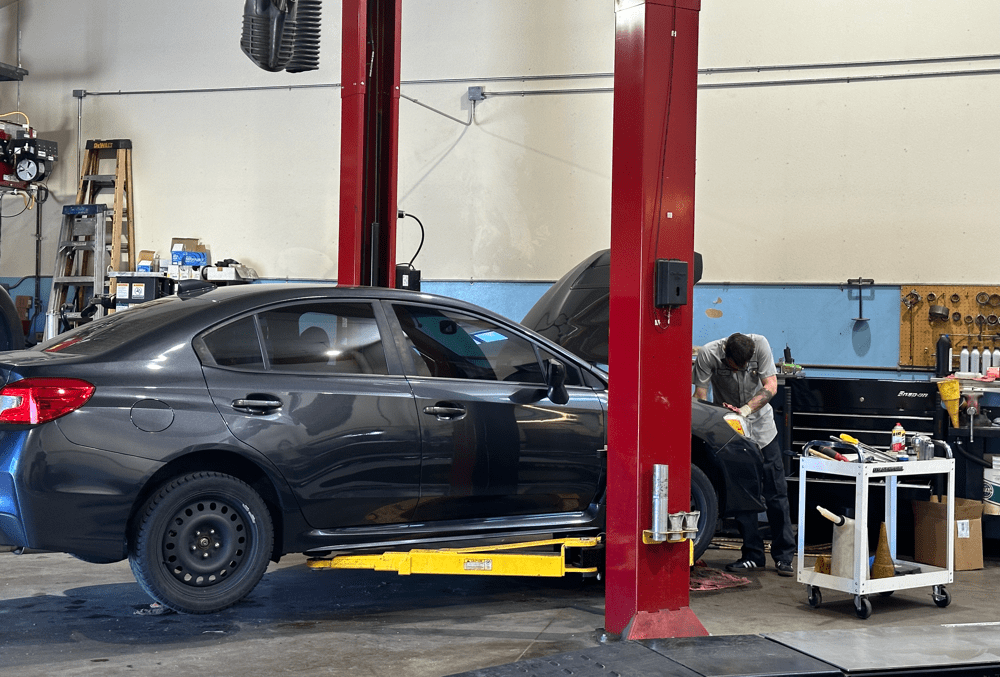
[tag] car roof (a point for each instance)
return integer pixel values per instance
(188, 313)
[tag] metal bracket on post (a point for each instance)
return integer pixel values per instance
(668, 527)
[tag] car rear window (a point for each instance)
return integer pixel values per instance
(113, 331)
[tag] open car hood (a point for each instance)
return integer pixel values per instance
(574, 312)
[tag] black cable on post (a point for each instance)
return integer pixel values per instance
(421, 245)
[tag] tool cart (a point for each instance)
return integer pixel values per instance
(861, 585)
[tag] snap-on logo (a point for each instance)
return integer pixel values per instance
(903, 393)
(892, 468)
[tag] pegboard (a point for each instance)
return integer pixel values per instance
(978, 323)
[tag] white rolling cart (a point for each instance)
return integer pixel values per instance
(862, 585)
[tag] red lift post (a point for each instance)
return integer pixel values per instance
(369, 142)
(656, 49)
(652, 217)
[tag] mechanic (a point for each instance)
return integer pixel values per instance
(743, 377)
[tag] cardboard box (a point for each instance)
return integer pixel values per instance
(181, 272)
(23, 305)
(930, 538)
(146, 263)
(189, 251)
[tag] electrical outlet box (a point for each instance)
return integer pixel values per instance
(477, 93)
(671, 283)
(407, 277)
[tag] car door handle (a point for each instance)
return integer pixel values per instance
(446, 413)
(257, 406)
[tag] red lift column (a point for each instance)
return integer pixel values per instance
(652, 217)
(369, 142)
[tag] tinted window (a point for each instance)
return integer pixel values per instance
(119, 328)
(449, 344)
(334, 338)
(235, 345)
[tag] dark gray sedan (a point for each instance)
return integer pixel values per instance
(205, 434)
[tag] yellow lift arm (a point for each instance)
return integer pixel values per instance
(480, 561)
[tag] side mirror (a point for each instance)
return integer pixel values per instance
(555, 376)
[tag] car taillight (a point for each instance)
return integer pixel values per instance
(37, 400)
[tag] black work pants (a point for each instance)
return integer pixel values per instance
(776, 503)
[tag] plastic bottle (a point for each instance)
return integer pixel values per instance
(842, 555)
(974, 360)
(987, 361)
(996, 357)
(943, 356)
(963, 360)
(898, 438)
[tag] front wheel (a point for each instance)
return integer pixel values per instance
(201, 543)
(703, 499)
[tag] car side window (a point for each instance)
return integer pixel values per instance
(450, 344)
(325, 338)
(235, 345)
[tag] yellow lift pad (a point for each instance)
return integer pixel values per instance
(478, 561)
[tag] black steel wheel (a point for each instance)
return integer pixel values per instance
(704, 500)
(862, 607)
(941, 596)
(813, 596)
(201, 543)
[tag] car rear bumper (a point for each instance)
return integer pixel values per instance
(11, 529)
(66, 498)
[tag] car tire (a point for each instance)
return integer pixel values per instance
(201, 543)
(703, 499)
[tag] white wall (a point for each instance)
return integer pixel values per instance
(893, 179)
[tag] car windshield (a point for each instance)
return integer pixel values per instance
(108, 333)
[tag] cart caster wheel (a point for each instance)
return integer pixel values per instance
(941, 596)
(814, 596)
(862, 607)
(886, 593)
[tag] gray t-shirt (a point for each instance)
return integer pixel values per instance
(738, 387)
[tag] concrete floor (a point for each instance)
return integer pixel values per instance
(62, 616)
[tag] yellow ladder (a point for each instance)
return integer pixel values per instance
(118, 154)
(95, 239)
(476, 561)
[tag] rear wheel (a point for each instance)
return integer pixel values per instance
(704, 500)
(201, 543)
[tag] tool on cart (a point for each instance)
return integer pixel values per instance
(824, 450)
(842, 555)
(873, 453)
(883, 566)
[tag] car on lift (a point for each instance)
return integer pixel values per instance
(205, 434)
(726, 466)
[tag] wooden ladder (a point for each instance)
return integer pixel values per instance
(95, 239)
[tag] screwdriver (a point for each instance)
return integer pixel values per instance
(876, 454)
